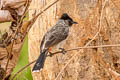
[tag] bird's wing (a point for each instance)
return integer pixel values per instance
(54, 36)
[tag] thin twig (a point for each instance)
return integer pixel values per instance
(45, 9)
(9, 55)
(7, 60)
(88, 47)
(35, 17)
(22, 69)
(87, 43)
(31, 25)
(18, 26)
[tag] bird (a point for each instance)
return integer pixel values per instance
(55, 35)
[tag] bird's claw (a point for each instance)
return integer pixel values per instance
(63, 50)
(50, 54)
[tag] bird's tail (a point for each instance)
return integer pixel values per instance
(40, 61)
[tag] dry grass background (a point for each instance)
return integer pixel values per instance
(12, 40)
(89, 64)
(99, 24)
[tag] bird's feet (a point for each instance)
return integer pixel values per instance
(50, 54)
(63, 50)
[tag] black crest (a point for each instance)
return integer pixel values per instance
(65, 17)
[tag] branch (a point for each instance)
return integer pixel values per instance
(89, 47)
(22, 69)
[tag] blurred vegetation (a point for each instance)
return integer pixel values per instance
(23, 60)
(23, 57)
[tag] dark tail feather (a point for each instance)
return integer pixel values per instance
(40, 62)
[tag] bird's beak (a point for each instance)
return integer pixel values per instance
(74, 22)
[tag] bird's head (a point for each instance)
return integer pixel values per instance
(68, 20)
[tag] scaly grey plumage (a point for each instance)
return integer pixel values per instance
(55, 35)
